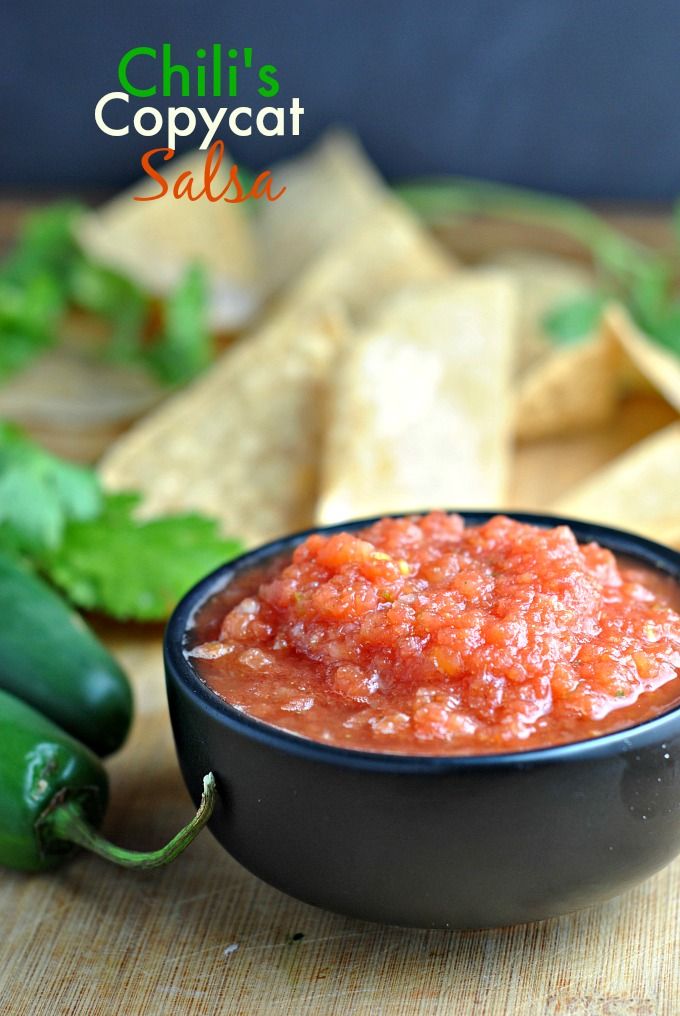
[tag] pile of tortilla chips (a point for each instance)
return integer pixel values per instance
(379, 374)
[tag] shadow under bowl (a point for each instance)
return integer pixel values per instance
(431, 841)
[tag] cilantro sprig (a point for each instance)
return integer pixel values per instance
(91, 544)
(40, 494)
(185, 346)
(129, 568)
(48, 274)
(646, 281)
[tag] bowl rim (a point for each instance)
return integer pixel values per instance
(620, 541)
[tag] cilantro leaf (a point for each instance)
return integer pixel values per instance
(40, 493)
(48, 273)
(34, 285)
(649, 293)
(574, 319)
(133, 569)
(92, 545)
(29, 315)
(120, 301)
(653, 302)
(668, 330)
(46, 245)
(184, 347)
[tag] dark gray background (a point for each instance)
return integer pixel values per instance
(567, 95)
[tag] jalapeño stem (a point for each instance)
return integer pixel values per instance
(68, 822)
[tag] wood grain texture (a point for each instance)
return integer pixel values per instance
(204, 937)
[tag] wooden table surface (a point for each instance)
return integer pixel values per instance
(206, 937)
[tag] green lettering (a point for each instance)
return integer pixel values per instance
(270, 86)
(125, 62)
(171, 70)
(217, 69)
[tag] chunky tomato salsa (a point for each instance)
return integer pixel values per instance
(419, 635)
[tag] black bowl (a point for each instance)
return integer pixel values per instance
(424, 841)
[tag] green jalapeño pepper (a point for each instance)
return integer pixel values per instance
(51, 659)
(53, 794)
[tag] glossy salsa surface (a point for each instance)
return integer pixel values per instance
(421, 636)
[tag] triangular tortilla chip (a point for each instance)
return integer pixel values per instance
(421, 403)
(154, 242)
(543, 282)
(637, 491)
(659, 366)
(569, 389)
(559, 389)
(243, 442)
(387, 251)
(329, 191)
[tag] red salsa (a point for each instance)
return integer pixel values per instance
(421, 636)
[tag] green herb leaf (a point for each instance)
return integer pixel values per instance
(29, 315)
(126, 308)
(184, 347)
(27, 323)
(134, 569)
(33, 287)
(48, 273)
(99, 289)
(46, 245)
(92, 545)
(574, 319)
(649, 293)
(40, 494)
(668, 330)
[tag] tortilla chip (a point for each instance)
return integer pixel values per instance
(421, 403)
(543, 282)
(243, 442)
(559, 389)
(659, 366)
(637, 491)
(154, 242)
(240, 444)
(329, 191)
(569, 389)
(388, 251)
